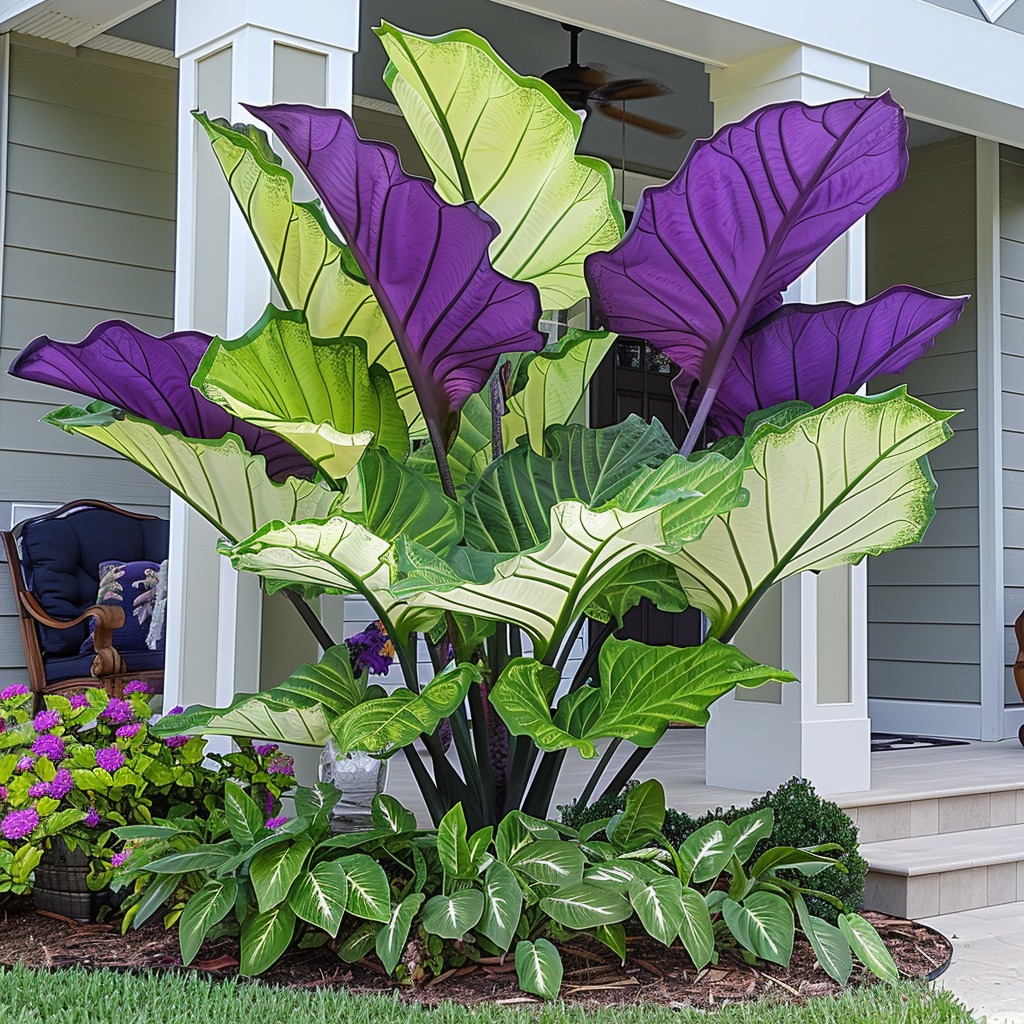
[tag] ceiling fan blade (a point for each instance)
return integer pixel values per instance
(646, 123)
(631, 89)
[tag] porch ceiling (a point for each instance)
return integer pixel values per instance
(73, 22)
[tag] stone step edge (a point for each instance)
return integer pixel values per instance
(870, 798)
(955, 855)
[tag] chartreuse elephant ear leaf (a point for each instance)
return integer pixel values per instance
(318, 394)
(507, 143)
(218, 478)
(642, 689)
(299, 710)
(844, 481)
(313, 270)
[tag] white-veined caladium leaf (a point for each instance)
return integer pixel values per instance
(218, 478)
(312, 268)
(841, 482)
(318, 394)
(299, 710)
(336, 556)
(507, 143)
(385, 725)
(542, 591)
(538, 968)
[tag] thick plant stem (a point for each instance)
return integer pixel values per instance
(542, 789)
(441, 458)
(625, 773)
(470, 768)
(492, 798)
(427, 786)
(595, 776)
(310, 618)
(699, 419)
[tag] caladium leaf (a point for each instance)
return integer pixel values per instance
(508, 143)
(641, 819)
(264, 939)
(586, 905)
(151, 378)
(863, 489)
(391, 939)
(503, 904)
(509, 506)
(658, 903)
(762, 923)
(816, 353)
(387, 724)
(450, 327)
(450, 917)
(793, 178)
(869, 947)
(218, 478)
(299, 710)
(319, 395)
(311, 267)
(538, 968)
(319, 897)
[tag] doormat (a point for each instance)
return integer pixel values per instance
(892, 741)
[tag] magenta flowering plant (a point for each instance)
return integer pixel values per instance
(89, 763)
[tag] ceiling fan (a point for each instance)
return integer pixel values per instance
(591, 88)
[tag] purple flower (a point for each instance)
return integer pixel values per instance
(63, 783)
(126, 732)
(49, 746)
(16, 690)
(118, 711)
(176, 741)
(281, 764)
(25, 763)
(275, 822)
(371, 650)
(109, 758)
(45, 720)
(119, 858)
(19, 824)
(92, 818)
(265, 749)
(38, 790)
(176, 710)
(78, 700)
(136, 686)
(3, 793)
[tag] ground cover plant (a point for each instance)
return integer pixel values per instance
(404, 431)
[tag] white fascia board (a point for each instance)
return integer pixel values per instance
(95, 16)
(914, 38)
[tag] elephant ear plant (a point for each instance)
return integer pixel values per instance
(402, 430)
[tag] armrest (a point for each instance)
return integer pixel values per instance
(108, 618)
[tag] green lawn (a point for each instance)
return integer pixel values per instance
(103, 997)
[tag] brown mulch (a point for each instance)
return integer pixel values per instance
(653, 974)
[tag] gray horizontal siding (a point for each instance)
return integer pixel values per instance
(89, 237)
(924, 601)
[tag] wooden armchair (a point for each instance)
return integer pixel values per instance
(53, 561)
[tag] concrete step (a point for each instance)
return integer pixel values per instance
(927, 875)
(945, 809)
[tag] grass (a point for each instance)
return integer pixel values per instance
(76, 996)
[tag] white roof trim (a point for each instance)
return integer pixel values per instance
(994, 9)
(130, 48)
(73, 22)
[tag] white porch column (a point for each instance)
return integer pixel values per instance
(815, 626)
(234, 51)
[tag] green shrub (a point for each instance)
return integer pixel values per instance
(802, 818)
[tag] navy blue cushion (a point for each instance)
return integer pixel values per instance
(80, 666)
(61, 559)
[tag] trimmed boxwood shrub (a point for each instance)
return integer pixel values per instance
(802, 818)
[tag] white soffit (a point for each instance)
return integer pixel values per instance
(72, 22)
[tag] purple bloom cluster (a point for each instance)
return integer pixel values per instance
(38, 789)
(371, 650)
(273, 823)
(281, 764)
(118, 711)
(126, 732)
(16, 690)
(46, 720)
(49, 746)
(18, 824)
(119, 858)
(176, 741)
(92, 818)
(63, 783)
(25, 764)
(264, 749)
(78, 700)
(136, 686)
(109, 758)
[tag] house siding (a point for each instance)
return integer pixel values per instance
(924, 640)
(89, 236)
(1011, 308)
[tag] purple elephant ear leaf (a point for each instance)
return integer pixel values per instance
(452, 314)
(151, 378)
(709, 253)
(816, 353)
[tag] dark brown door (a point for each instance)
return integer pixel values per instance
(636, 378)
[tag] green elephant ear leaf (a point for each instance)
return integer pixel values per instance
(387, 724)
(318, 394)
(464, 104)
(218, 478)
(299, 710)
(312, 268)
(865, 489)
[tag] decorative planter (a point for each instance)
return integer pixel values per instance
(60, 883)
(358, 777)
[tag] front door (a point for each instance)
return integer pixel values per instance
(637, 378)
